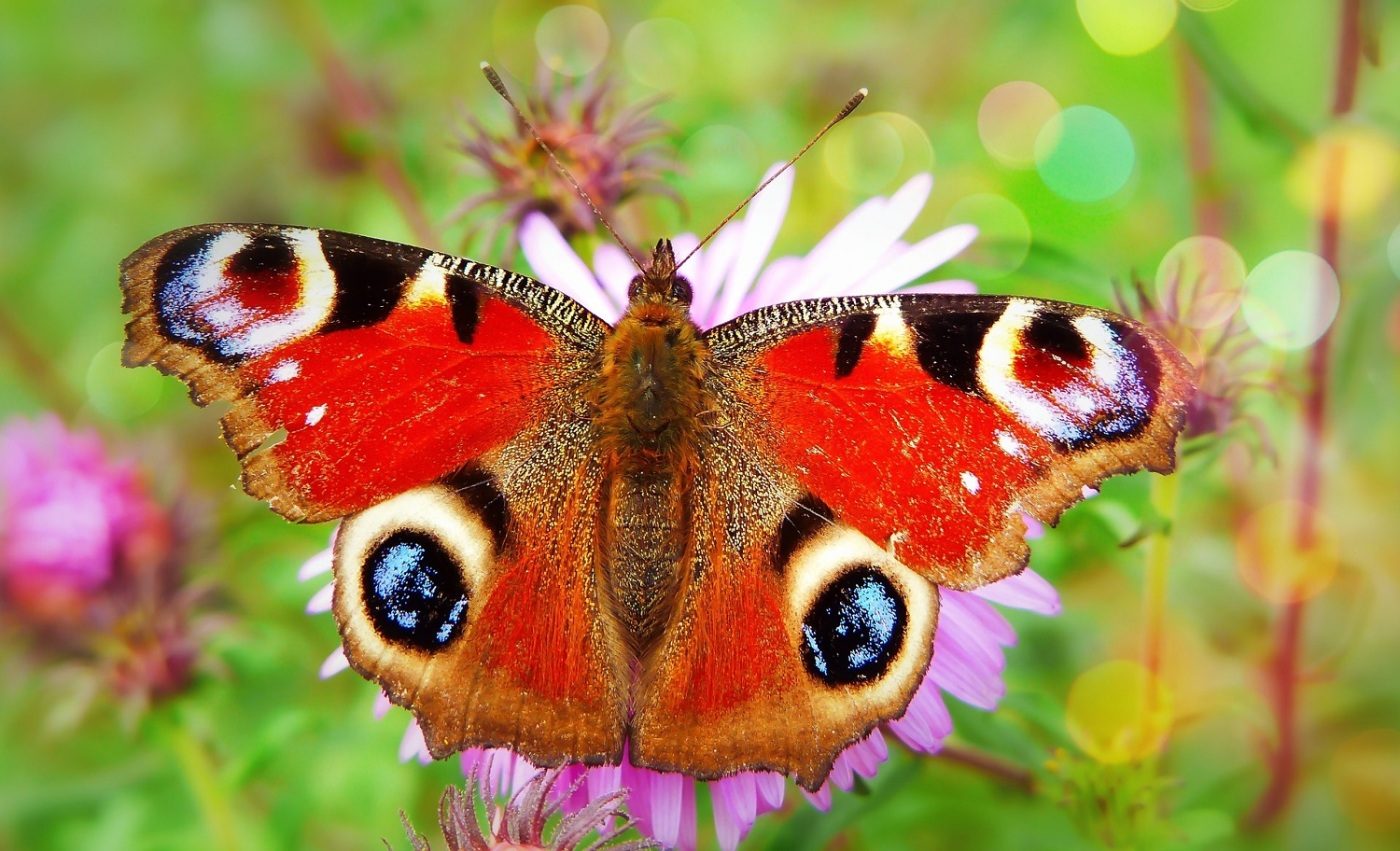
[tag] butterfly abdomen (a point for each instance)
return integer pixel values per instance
(646, 542)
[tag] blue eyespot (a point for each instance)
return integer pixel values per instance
(414, 592)
(854, 629)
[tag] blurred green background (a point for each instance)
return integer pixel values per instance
(119, 121)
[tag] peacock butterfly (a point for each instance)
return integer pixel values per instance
(719, 549)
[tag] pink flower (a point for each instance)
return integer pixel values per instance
(72, 520)
(863, 254)
(90, 567)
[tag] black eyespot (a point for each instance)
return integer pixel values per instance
(681, 290)
(855, 628)
(414, 591)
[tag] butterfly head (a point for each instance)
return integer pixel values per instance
(659, 283)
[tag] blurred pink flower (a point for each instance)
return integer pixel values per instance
(611, 150)
(863, 254)
(72, 521)
(90, 567)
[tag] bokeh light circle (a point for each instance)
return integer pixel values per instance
(1366, 775)
(1011, 117)
(1127, 27)
(1290, 299)
(661, 53)
(1351, 169)
(1118, 712)
(917, 150)
(864, 154)
(1085, 156)
(1202, 279)
(1003, 233)
(572, 39)
(118, 393)
(1273, 564)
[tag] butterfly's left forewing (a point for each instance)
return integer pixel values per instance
(380, 366)
(434, 402)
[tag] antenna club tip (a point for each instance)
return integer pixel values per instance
(860, 92)
(485, 66)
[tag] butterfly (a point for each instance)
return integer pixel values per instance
(720, 550)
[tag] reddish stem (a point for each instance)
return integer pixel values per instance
(1284, 669)
(357, 110)
(998, 769)
(1195, 114)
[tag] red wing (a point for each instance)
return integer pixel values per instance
(794, 634)
(384, 366)
(932, 422)
(472, 601)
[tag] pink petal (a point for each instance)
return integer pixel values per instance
(689, 827)
(845, 239)
(843, 275)
(1034, 528)
(333, 664)
(667, 790)
(926, 722)
(735, 802)
(867, 755)
(719, 259)
(603, 780)
(683, 244)
(774, 284)
(469, 760)
(771, 787)
(382, 705)
(1026, 590)
(975, 616)
(761, 224)
(841, 775)
(556, 264)
(412, 745)
(315, 566)
(615, 271)
(821, 799)
(922, 257)
(964, 676)
(321, 601)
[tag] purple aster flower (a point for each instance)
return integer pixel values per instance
(864, 254)
(88, 562)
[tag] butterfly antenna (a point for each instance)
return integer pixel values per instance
(495, 80)
(846, 110)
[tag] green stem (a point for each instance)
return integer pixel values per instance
(201, 777)
(1165, 499)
